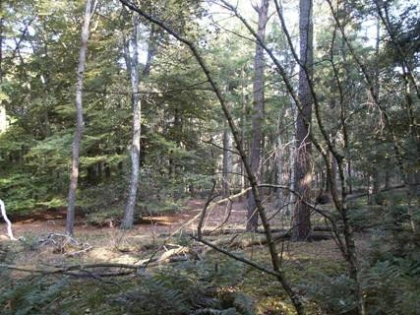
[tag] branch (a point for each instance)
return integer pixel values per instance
(203, 213)
(77, 270)
(9, 224)
(236, 135)
(238, 141)
(238, 258)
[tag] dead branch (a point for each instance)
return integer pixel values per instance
(9, 224)
(80, 271)
(180, 250)
(203, 213)
(238, 258)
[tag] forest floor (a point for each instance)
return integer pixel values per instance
(160, 240)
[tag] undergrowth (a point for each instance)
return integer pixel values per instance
(186, 288)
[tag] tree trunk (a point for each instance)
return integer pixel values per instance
(6, 219)
(74, 176)
(349, 176)
(128, 219)
(243, 122)
(227, 162)
(1, 42)
(3, 117)
(258, 113)
(301, 221)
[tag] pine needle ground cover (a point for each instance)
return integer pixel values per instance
(106, 270)
(213, 283)
(56, 276)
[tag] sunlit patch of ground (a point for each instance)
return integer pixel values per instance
(148, 239)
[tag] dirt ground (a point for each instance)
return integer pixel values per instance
(43, 241)
(53, 221)
(44, 248)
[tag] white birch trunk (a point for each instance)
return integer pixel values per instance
(128, 219)
(9, 224)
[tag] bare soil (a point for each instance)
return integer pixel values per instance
(44, 247)
(40, 237)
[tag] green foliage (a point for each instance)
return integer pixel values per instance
(391, 286)
(30, 241)
(390, 273)
(190, 288)
(23, 191)
(333, 293)
(32, 295)
(148, 298)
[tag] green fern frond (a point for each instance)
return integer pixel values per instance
(244, 303)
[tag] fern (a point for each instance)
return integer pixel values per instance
(391, 287)
(188, 290)
(4, 253)
(32, 296)
(333, 293)
(149, 297)
(244, 303)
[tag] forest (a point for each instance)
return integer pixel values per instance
(209, 157)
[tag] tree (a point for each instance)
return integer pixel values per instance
(133, 62)
(275, 260)
(74, 176)
(6, 219)
(301, 220)
(257, 113)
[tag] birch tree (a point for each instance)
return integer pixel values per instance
(133, 60)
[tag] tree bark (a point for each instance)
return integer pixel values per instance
(301, 220)
(74, 176)
(1, 41)
(227, 162)
(258, 114)
(128, 219)
(6, 219)
(3, 117)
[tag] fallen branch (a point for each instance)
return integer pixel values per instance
(365, 194)
(238, 258)
(84, 250)
(79, 271)
(259, 239)
(173, 252)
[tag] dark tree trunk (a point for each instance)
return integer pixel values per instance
(3, 120)
(258, 113)
(227, 163)
(301, 220)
